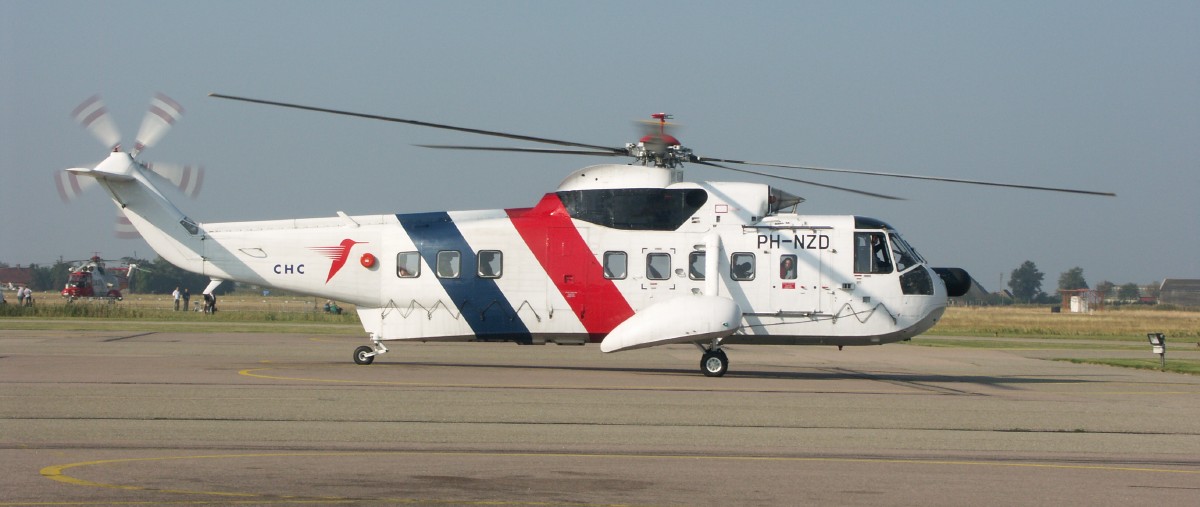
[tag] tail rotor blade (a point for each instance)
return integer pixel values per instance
(123, 228)
(163, 113)
(93, 116)
(70, 186)
(186, 178)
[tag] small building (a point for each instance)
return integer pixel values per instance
(1180, 292)
(15, 277)
(1082, 300)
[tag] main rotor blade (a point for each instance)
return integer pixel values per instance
(523, 150)
(617, 151)
(906, 176)
(747, 171)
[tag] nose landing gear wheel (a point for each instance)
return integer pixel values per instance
(364, 355)
(714, 363)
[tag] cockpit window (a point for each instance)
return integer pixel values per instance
(871, 253)
(779, 200)
(906, 257)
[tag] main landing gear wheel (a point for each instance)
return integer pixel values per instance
(364, 355)
(714, 363)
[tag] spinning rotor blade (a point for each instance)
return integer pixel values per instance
(70, 186)
(525, 150)
(769, 175)
(93, 116)
(123, 228)
(905, 176)
(186, 178)
(163, 113)
(615, 151)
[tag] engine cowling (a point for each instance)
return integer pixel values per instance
(957, 280)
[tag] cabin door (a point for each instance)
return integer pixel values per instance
(795, 280)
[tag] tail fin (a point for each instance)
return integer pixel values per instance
(169, 232)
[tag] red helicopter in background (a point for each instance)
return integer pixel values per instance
(92, 279)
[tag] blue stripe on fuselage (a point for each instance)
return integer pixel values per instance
(479, 300)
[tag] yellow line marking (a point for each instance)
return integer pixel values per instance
(57, 473)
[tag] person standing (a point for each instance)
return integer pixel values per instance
(187, 298)
(175, 295)
(28, 296)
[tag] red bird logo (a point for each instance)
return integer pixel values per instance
(339, 254)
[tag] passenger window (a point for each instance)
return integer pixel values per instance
(491, 263)
(658, 266)
(449, 264)
(741, 266)
(615, 265)
(696, 265)
(408, 264)
(871, 253)
(787, 267)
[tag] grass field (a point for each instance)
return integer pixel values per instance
(1118, 330)
(1123, 324)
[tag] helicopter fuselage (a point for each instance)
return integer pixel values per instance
(590, 256)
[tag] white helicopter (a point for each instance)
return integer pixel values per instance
(629, 256)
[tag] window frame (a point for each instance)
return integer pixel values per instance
(733, 265)
(457, 260)
(604, 264)
(697, 255)
(662, 275)
(499, 256)
(795, 266)
(411, 273)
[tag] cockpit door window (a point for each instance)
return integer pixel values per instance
(871, 253)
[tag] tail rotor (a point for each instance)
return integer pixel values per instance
(93, 116)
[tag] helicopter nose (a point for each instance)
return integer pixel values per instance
(957, 280)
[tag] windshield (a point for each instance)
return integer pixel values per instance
(905, 256)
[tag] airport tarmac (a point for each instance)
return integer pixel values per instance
(112, 418)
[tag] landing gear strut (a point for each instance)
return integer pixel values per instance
(366, 354)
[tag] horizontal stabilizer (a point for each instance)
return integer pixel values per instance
(684, 319)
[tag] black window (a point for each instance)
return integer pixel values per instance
(408, 264)
(696, 265)
(491, 263)
(449, 264)
(615, 265)
(658, 266)
(871, 253)
(741, 266)
(637, 209)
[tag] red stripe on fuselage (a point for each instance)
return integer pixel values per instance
(552, 237)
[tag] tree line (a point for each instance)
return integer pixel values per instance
(1025, 282)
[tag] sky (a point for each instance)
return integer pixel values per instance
(1094, 95)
